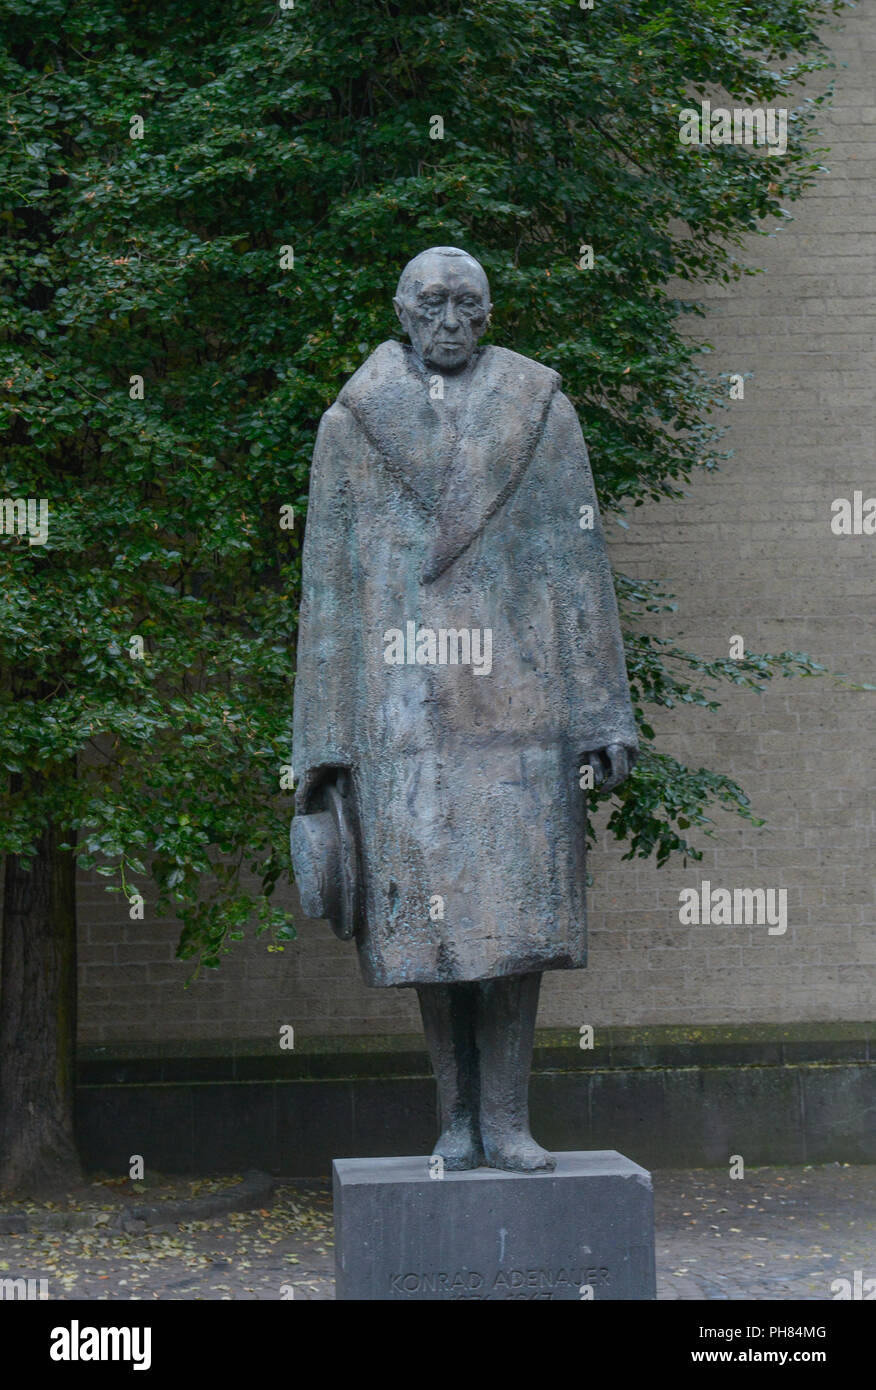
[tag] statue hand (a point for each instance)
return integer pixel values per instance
(611, 765)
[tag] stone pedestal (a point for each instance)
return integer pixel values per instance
(584, 1231)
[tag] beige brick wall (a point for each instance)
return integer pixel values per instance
(750, 551)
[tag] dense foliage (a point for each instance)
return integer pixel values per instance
(162, 258)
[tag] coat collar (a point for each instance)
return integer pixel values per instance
(459, 477)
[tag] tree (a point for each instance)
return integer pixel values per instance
(204, 211)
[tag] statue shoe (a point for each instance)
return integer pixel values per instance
(461, 1149)
(517, 1152)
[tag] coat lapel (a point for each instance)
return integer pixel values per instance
(390, 400)
(460, 478)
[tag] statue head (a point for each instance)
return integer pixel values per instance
(443, 304)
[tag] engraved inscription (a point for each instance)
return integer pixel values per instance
(506, 1283)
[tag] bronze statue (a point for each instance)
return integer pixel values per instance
(459, 663)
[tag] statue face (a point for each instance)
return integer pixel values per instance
(443, 306)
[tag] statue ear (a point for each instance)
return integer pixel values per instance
(399, 307)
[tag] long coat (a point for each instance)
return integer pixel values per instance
(466, 782)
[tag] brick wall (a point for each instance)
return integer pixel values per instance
(750, 551)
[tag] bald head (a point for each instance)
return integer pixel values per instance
(443, 303)
(425, 265)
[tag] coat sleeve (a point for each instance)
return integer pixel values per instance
(599, 708)
(324, 713)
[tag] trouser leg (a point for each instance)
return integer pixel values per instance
(449, 1015)
(504, 1035)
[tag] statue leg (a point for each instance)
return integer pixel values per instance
(505, 1033)
(449, 1013)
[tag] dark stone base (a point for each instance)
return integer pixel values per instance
(585, 1231)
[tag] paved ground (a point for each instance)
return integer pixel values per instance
(779, 1233)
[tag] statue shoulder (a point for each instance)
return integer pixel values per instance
(335, 423)
(386, 364)
(514, 366)
(339, 441)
